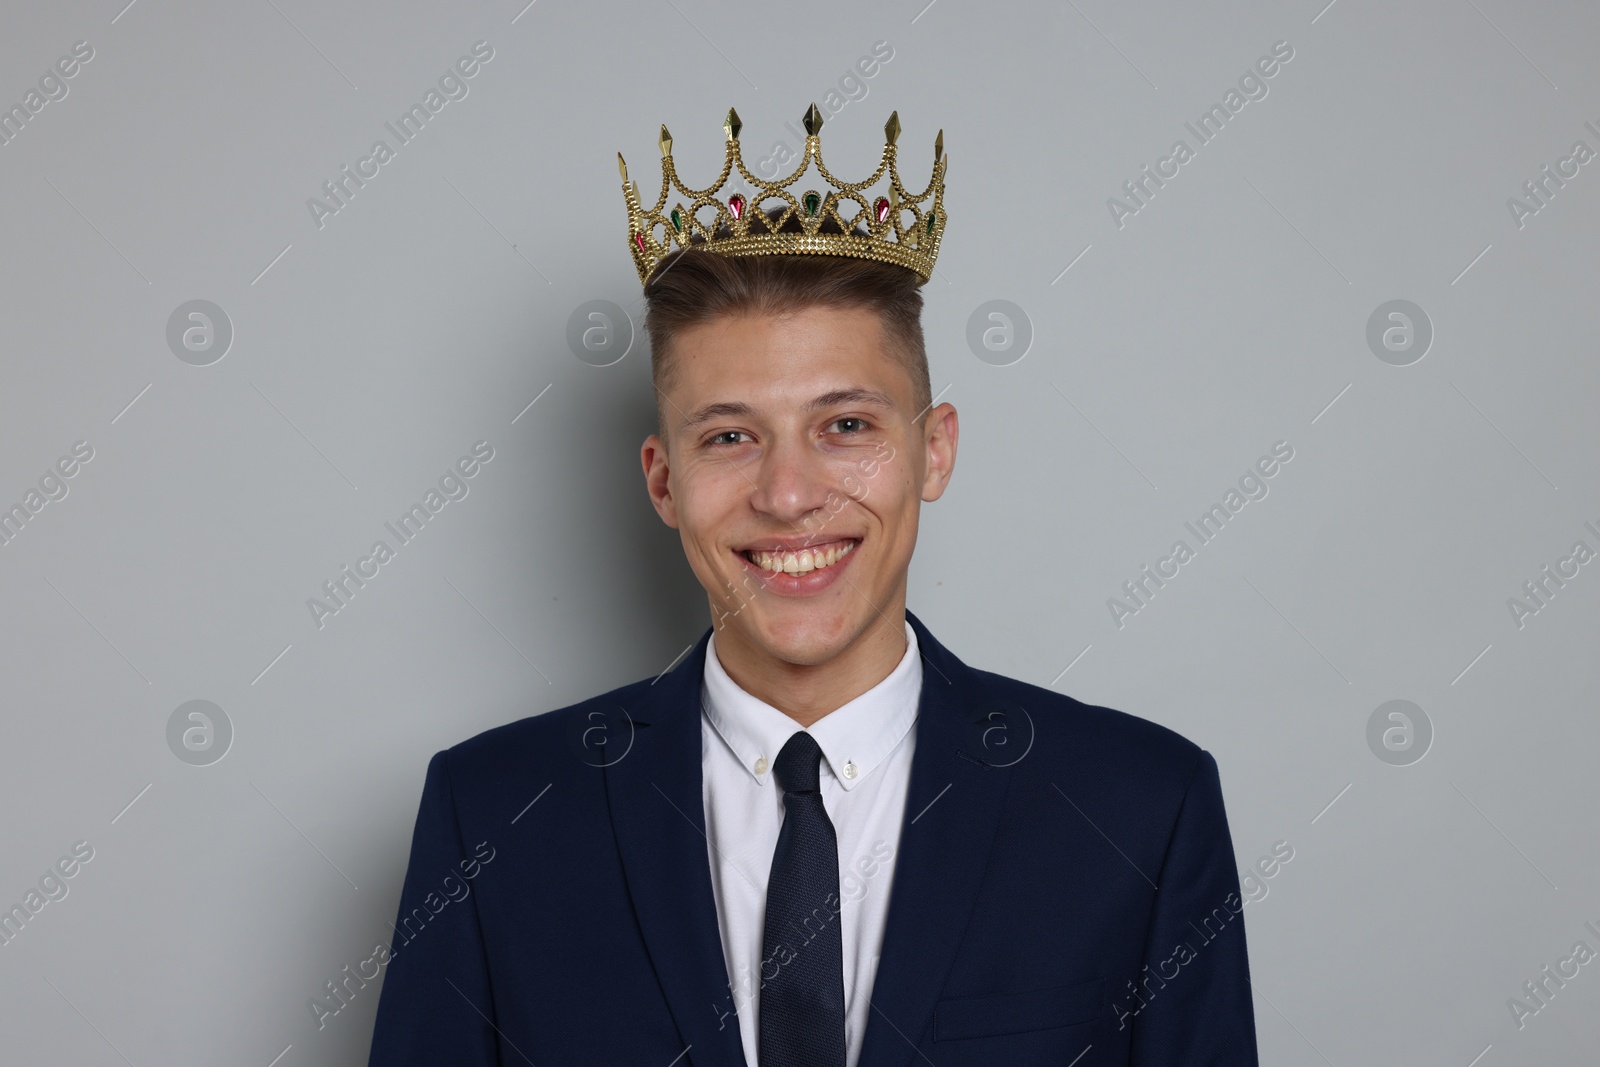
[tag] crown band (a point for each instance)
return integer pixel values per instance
(889, 238)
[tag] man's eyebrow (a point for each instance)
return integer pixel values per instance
(840, 397)
(722, 409)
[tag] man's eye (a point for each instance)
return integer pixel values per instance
(726, 437)
(850, 424)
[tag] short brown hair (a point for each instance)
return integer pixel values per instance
(691, 286)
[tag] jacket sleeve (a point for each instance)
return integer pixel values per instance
(436, 1005)
(1193, 1004)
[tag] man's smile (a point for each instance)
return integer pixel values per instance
(791, 567)
(775, 557)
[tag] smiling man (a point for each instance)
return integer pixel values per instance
(802, 446)
(821, 840)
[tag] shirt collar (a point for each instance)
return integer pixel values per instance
(854, 738)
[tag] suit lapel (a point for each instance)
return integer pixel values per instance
(953, 806)
(658, 817)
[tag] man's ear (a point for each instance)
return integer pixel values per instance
(939, 433)
(653, 456)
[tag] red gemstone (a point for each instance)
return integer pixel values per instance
(638, 239)
(736, 205)
(881, 206)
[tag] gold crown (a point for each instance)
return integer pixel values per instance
(888, 238)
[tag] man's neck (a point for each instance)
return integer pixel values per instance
(805, 692)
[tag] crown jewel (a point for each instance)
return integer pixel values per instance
(727, 228)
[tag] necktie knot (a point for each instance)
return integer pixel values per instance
(797, 766)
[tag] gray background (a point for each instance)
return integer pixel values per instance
(369, 354)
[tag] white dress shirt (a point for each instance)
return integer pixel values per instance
(866, 767)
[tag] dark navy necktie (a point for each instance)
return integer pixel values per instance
(801, 1014)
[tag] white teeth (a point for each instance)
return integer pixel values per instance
(802, 562)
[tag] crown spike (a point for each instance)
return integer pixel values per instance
(938, 147)
(891, 129)
(813, 120)
(665, 141)
(731, 125)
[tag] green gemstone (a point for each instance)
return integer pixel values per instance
(677, 220)
(812, 202)
(932, 215)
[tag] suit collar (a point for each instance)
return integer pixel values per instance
(953, 804)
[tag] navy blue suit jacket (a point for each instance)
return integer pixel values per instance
(1064, 892)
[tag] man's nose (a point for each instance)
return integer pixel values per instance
(793, 481)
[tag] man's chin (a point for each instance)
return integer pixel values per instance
(805, 638)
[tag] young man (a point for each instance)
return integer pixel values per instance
(821, 840)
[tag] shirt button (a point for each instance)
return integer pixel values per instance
(849, 770)
(761, 765)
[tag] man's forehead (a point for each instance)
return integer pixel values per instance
(803, 330)
(783, 366)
